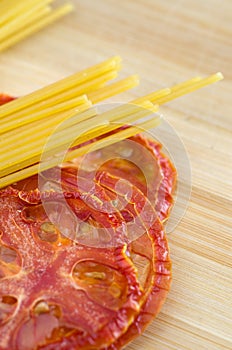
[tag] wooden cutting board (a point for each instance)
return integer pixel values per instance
(165, 42)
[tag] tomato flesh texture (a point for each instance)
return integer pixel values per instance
(151, 247)
(146, 167)
(53, 276)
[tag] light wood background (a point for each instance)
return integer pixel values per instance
(165, 41)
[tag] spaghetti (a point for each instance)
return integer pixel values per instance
(20, 19)
(28, 122)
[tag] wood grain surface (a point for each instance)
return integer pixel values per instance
(165, 42)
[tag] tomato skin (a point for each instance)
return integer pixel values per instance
(168, 182)
(154, 301)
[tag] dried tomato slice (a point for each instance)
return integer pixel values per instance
(46, 237)
(143, 259)
(145, 167)
(168, 183)
(5, 98)
(157, 294)
(47, 321)
(149, 253)
(67, 296)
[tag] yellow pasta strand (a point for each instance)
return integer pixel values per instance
(13, 124)
(30, 123)
(113, 89)
(112, 139)
(13, 159)
(34, 169)
(115, 123)
(27, 115)
(20, 19)
(40, 127)
(24, 19)
(21, 118)
(38, 25)
(16, 161)
(10, 9)
(188, 87)
(168, 94)
(60, 86)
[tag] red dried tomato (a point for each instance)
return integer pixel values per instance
(150, 255)
(5, 98)
(138, 160)
(55, 292)
(59, 294)
(149, 252)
